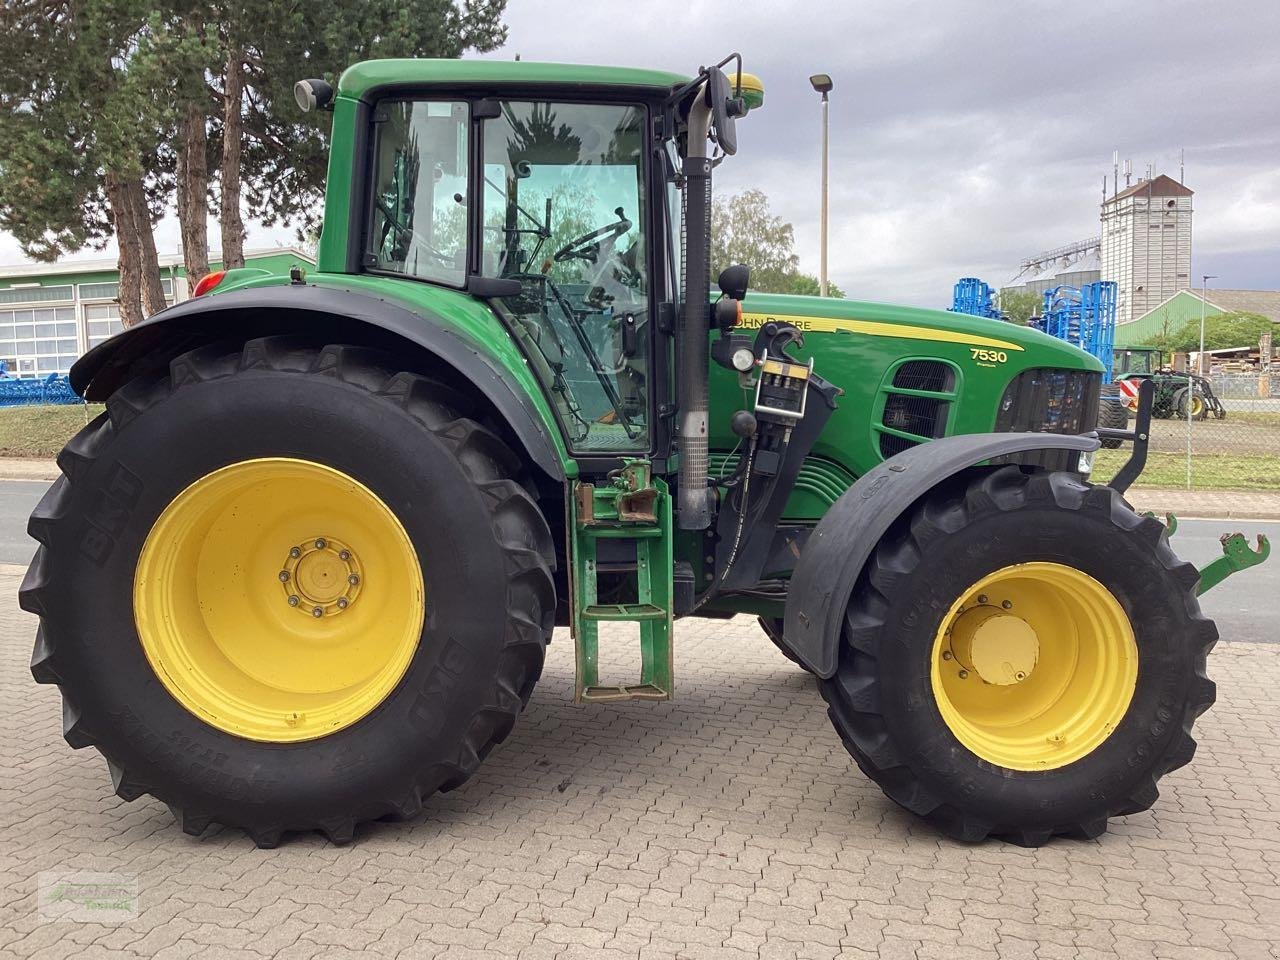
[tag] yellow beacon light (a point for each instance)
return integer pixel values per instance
(752, 89)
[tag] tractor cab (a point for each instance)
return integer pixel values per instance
(1135, 362)
(545, 201)
(561, 206)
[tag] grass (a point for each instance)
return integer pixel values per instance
(1208, 471)
(40, 432)
(1259, 418)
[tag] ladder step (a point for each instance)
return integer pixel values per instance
(624, 611)
(639, 691)
(602, 531)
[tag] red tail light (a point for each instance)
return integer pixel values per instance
(208, 282)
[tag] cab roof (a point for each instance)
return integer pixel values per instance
(361, 78)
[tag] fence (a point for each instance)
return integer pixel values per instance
(1236, 446)
(53, 389)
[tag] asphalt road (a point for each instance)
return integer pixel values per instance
(1246, 607)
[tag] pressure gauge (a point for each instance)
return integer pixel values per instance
(743, 360)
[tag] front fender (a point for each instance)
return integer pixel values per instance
(835, 554)
(332, 315)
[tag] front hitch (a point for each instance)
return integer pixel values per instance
(1237, 555)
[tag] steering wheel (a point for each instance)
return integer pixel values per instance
(585, 246)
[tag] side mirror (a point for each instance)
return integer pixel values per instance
(724, 108)
(733, 281)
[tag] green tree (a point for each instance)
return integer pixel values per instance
(106, 105)
(81, 125)
(1221, 331)
(744, 230)
(1019, 305)
(807, 285)
(285, 151)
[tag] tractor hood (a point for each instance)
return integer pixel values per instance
(906, 372)
(918, 324)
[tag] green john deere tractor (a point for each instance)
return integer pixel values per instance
(302, 572)
(1173, 391)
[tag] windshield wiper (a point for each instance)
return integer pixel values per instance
(610, 391)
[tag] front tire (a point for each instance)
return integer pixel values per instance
(1114, 415)
(287, 588)
(999, 578)
(772, 627)
(1199, 406)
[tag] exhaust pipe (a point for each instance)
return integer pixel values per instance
(695, 496)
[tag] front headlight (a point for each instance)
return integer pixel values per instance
(1086, 463)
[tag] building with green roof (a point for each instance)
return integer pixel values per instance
(1184, 306)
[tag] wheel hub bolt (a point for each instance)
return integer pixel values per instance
(344, 555)
(964, 674)
(342, 603)
(293, 601)
(1006, 604)
(982, 598)
(353, 579)
(946, 654)
(317, 612)
(284, 576)
(294, 553)
(320, 544)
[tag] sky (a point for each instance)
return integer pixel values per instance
(965, 136)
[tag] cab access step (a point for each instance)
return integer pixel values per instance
(621, 536)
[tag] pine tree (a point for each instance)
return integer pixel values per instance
(81, 129)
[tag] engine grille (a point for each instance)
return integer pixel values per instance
(1049, 400)
(925, 375)
(911, 418)
(922, 416)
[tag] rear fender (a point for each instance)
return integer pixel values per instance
(422, 341)
(846, 535)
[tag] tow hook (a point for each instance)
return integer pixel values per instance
(1237, 555)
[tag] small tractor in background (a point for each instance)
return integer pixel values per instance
(1173, 390)
(302, 572)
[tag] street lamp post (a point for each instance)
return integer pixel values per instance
(822, 84)
(1191, 386)
(1204, 287)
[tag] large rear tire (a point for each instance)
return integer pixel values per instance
(289, 588)
(1023, 656)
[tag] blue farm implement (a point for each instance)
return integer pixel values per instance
(1084, 317)
(974, 297)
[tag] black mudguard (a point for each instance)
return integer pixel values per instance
(330, 314)
(834, 555)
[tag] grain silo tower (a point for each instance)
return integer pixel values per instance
(1146, 244)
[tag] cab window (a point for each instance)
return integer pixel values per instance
(563, 213)
(418, 209)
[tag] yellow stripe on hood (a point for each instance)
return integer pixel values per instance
(875, 328)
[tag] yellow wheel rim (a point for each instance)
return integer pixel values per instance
(1034, 666)
(1197, 406)
(278, 599)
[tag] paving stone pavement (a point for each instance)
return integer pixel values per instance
(728, 824)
